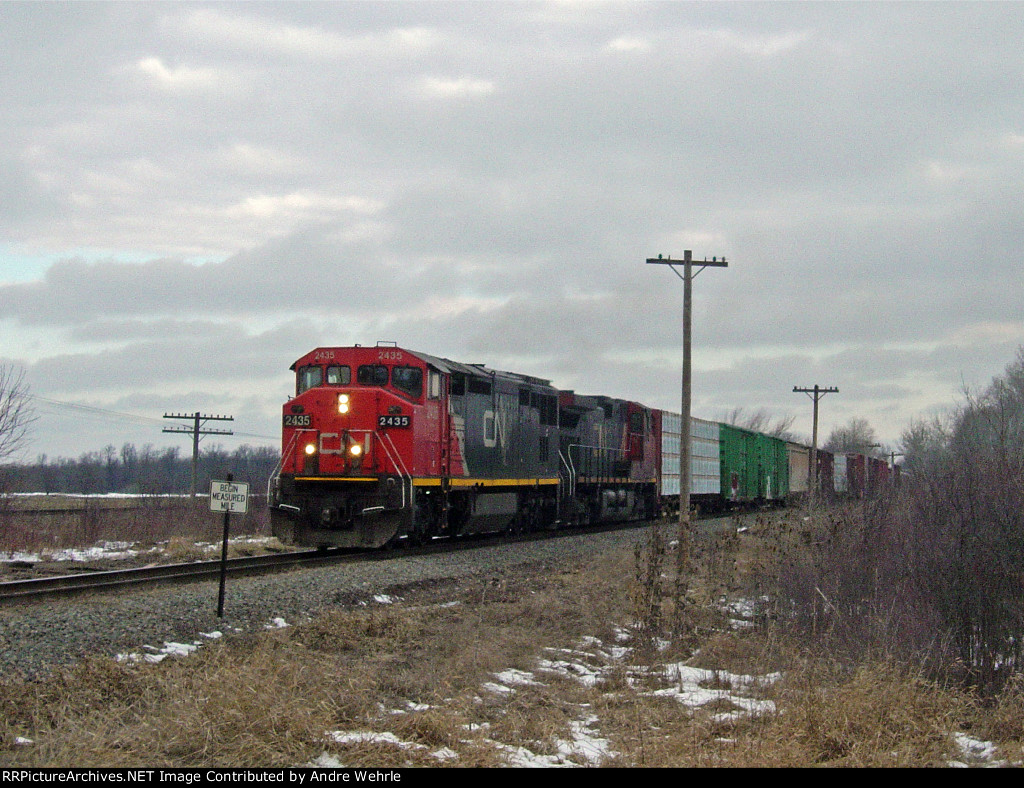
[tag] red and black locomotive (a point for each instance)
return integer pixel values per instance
(381, 443)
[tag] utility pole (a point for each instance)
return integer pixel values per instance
(685, 452)
(895, 468)
(815, 394)
(198, 421)
(687, 276)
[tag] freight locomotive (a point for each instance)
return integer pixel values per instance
(383, 443)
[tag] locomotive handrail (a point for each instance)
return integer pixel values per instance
(567, 461)
(395, 457)
(399, 464)
(598, 449)
(276, 473)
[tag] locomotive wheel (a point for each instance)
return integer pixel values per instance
(518, 525)
(417, 536)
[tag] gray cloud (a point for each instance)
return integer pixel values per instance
(485, 182)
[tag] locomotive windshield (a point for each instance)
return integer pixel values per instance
(408, 379)
(372, 375)
(308, 378)
(312, 376)
(339, 376)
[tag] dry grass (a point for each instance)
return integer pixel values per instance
(58, 522)
(424, 670)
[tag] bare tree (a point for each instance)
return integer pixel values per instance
(761, 420)
(16, 412)
(855, 436)
(925, 443)
(966, 509)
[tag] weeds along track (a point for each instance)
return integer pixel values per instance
(34, 589)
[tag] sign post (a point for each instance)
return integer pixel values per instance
(227, 497)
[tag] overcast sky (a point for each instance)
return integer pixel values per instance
(194, 195)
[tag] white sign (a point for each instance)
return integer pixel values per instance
(229, 497)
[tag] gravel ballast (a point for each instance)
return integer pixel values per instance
(35, 638)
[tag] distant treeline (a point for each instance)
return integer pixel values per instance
(145, 471)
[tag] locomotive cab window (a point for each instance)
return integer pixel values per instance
(409, 380)
(479, 386)
(308, 378)
(339, 375)
(372, 375)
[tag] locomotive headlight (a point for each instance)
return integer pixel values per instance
(310, 449)
(343, 403)
(355, 450)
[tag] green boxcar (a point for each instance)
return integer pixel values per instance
(754, 467)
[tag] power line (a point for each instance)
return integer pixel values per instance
(92, 410)
(114, 415)
(199, 428)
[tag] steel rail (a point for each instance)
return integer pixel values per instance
(30, 590)
(65, 585)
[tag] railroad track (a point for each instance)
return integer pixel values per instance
(34, 589)
(67, 585)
